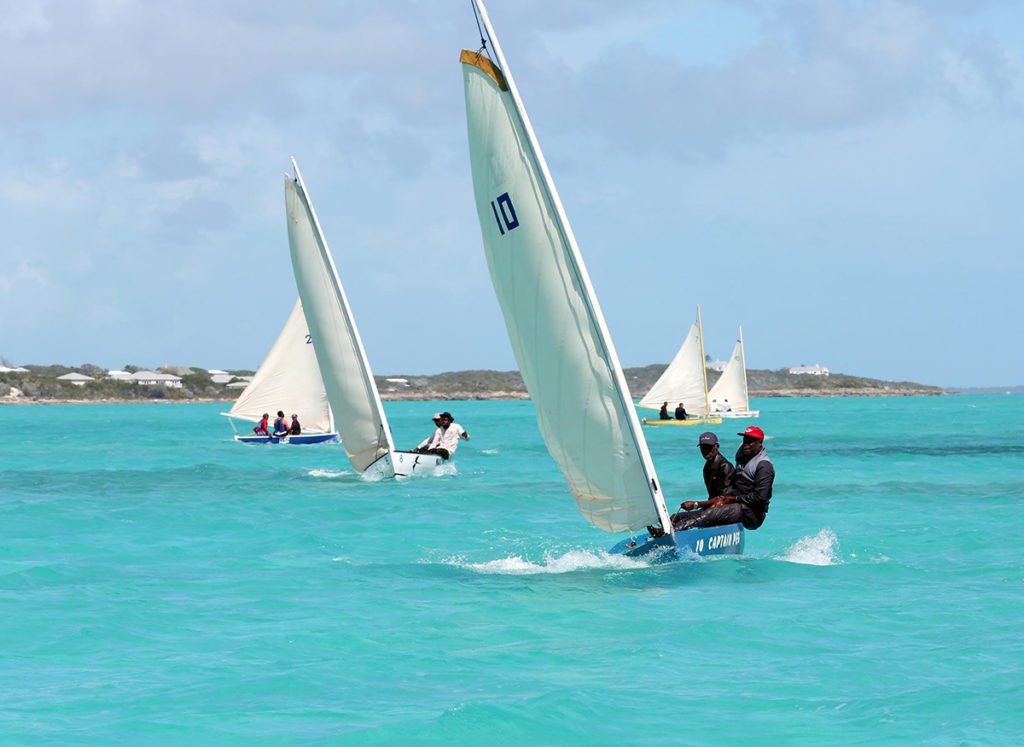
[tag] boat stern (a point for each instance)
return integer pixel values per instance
(722, 540)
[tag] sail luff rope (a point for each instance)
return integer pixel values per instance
(480, 30)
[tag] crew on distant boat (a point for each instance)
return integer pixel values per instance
(663, 412)
(722, 406)
(680, 412)
(445, 440)
(261, 427)
(748, 500)
(295, 428)
(280, 427)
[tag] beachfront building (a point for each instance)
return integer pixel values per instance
(76, 378)
(716, 366)
(152, 378)
(816, 370)
(19, 369)
(119, 375)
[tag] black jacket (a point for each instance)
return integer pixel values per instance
(753, 491)
(718, 476)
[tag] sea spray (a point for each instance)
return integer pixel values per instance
(819, 549)
(569, 562)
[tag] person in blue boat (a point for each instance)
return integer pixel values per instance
(295, 429)
(261, 427)
(747, 502)
(680, 412)
(718, 471)
(280, 427)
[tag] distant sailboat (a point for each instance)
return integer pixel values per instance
(729, 398)
(555, 325)
(344, 368)
(684, 381)
(288, 379)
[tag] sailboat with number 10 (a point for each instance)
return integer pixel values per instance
(558, 333)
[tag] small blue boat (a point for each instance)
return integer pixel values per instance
(287, 381)
(723, 540)
(302, 438)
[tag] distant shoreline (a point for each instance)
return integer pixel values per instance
(42, 385)
(475, 397)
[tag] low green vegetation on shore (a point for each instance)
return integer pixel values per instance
(40, 384)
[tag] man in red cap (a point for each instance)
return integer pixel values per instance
(752, 490)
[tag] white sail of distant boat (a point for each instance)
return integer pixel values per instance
(729, 397)
(555, 325)
(685, 380)
(288, 379)
(351, 389)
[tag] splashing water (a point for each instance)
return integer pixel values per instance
(574, 560)
(819, 549)
(329, 474)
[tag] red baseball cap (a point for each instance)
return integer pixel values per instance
(754, 432)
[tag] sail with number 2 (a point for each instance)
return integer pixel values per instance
(555, 325)
(358, 413)
(288, 378)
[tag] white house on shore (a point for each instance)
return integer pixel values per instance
(119, 375)
(152, 378)
(816, 370)
(76, 378)
(19, 369)
(715, 366)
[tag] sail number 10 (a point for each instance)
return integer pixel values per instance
(504, 213)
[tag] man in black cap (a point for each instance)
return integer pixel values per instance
(717, 470)
(748, 501)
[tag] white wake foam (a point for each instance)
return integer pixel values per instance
(489, 451)
(819, 549)
(574, 560)
(329, 474)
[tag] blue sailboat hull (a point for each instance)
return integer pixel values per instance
(302, 438)
(723, 540)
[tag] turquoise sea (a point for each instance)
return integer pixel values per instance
(160, 584)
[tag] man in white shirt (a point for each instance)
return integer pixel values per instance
(434, 439)
(447, 434)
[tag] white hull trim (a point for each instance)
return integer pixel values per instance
(403, 464)
(409, 463)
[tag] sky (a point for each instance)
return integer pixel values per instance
(840, 177)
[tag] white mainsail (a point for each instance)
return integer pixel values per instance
(685, 379)
(351, 390)
(555, 325)
(289, 380)
(731, 387)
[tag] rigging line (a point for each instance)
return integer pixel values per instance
(479, 28)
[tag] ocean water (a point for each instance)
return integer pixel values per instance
(160, 584)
